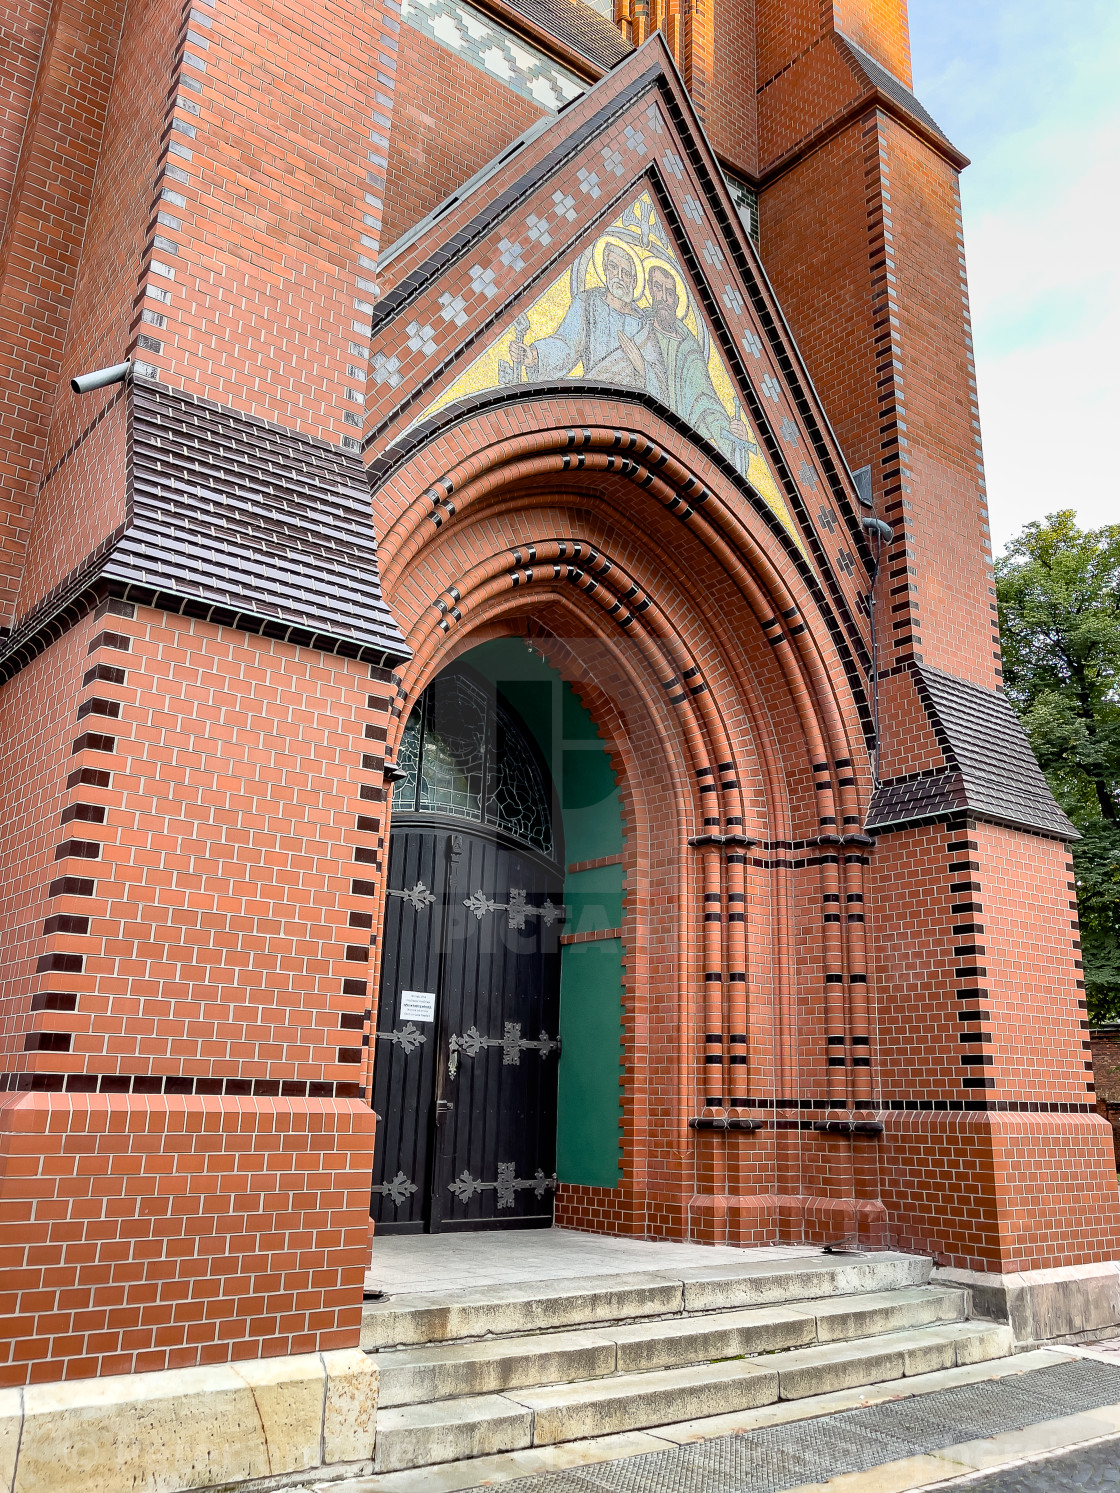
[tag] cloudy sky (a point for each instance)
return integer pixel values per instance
(1029, 90)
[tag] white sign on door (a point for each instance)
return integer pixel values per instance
(418, 1005)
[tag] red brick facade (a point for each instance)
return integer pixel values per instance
(177, 905)
(203, 686)
(434, 149)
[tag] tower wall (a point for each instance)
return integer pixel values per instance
(67, 87)
(186, 1167)
(450, 119)
(202, 677)
(186, 1153)
(864, 242)
(882, 29)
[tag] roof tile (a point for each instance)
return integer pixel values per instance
(236, 513)
(990, 769)
(579, 26)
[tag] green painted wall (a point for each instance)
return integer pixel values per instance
(587, 1131)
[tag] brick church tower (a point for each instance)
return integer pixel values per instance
(530, 535)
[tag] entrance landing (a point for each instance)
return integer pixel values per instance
(564, 1349)
(427, 1263)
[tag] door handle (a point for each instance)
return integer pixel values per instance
(442, 1108)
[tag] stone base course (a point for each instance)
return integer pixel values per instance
(1070, 1302)
(191, 1428)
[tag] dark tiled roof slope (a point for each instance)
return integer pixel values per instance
(887, 83)
(1001, 773)
(578, 26)
(909, 799)
(244, 516)
(990, 769)
(989, 766)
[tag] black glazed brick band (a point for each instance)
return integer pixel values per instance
(174, 1083)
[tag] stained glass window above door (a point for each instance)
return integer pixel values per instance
(465, 753)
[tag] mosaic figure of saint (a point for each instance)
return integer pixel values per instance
(613, 339)
(598, 331)
(676, 368)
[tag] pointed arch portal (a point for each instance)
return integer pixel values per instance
(499, 1022)
(665, 606)
(602, 441)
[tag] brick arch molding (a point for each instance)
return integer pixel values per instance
(696, 634)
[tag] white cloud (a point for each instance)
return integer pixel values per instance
(1027, 89)
(1045, 291)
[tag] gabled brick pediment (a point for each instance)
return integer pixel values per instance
(624, 313)
(505, 287)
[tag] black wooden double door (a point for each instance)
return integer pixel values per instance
(467, 1040)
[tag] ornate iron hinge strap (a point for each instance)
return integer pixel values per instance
(518, 907)
(407, 1038)
(513, 1044)
(399, 1190)
(508, 1184)
(417, 896)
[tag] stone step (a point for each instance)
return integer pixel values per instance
(450, 1430)
(411, 1376)
(412, 1319)
(489, 1471)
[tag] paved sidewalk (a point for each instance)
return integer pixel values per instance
(1094, 1469)
(403, 1263)
(928, 1440)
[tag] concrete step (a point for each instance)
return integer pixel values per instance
(476, 1426)
(411, 1376)
(627, 1402)
(449, 1430)
(896, 1355)
(489, 1471)
(535, 1307)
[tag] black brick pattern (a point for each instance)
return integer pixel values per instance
(158, 1083)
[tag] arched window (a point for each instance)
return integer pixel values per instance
(465, 753)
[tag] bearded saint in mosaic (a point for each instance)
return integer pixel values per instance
(676, 370)
(598, 331)
(614, 340)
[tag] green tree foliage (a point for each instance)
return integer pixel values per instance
(1059, 612)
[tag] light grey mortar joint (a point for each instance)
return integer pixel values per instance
(19, 1439)
(323, 1414)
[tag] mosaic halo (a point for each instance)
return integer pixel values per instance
(575, 329)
